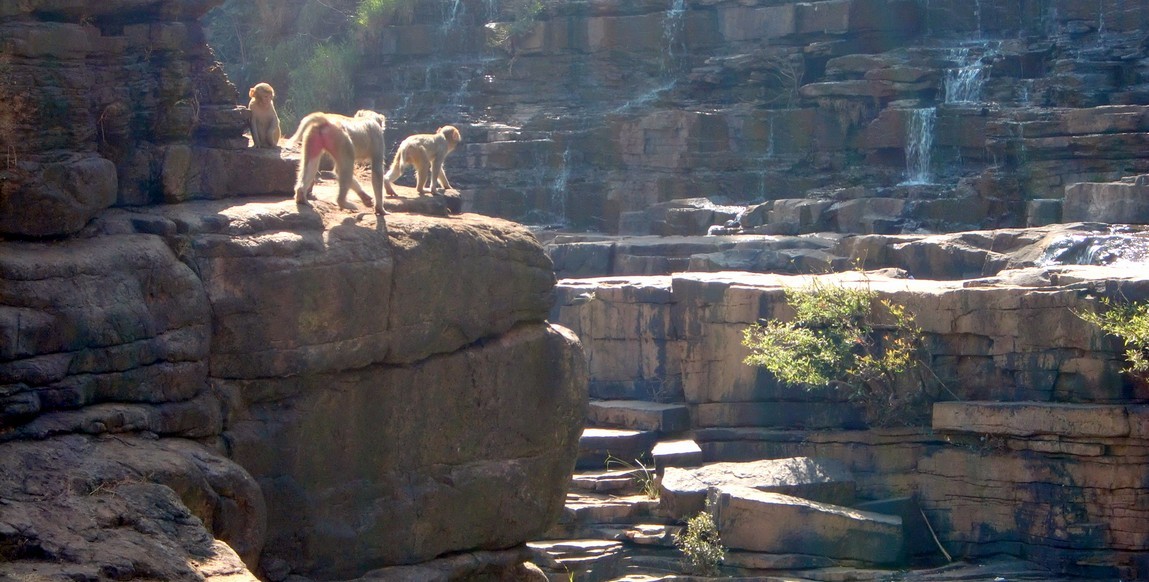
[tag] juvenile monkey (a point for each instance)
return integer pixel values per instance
(265, 131)
(346, 139)
(426, 152)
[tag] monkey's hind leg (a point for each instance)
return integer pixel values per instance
(308, 171)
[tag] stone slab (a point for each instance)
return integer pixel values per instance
(1032, 418)
(683, 492)
(762, 521)
(678, 453)
(640, 415)
(597, 445)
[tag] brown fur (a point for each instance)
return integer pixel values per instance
(265, 132)
(426, 152)
(347, 140)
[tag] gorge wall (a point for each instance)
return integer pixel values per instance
(603, 109)
(194, 386)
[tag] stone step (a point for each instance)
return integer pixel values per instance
(596, 508)
(592, 560)
(598, 445)
(762, 521)
(683, 491)
(617, 482)
(676, 453)
(640, 415)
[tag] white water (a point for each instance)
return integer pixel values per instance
(964, 83)
(919, 143)
(672, 26)
(559, 188)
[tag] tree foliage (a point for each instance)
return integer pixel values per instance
(1130, 322)
(701, 545)
(837, 338)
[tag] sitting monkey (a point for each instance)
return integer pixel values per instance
(426, 152)
(265, 132)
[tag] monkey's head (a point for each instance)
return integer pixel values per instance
(373, 116)
(452, 135)
(262, 92)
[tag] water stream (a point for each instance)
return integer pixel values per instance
(919, 144)
(964, 82)
(1114, 248)
(672, 40)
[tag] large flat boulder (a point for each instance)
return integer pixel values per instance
(364, 374)
(683, 491)
(762, 521)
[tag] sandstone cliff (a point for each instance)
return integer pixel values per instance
(197, 387)
(316, 389)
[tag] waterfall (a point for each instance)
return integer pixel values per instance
(770, 138)
(451, 15)
(964, 82)
(919, 142)
(672, 33)
(977, 16)
(559, 188)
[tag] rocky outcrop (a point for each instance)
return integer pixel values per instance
(602, 110)
(1067, 420)
(323, 392)
(116, 103)
(964, 255)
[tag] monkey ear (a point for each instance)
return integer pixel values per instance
(251, 92)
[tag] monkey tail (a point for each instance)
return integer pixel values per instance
(396, 168)
(317, 118)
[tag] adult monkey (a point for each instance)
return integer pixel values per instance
(347, 140)
(265, 132)
(426, 152)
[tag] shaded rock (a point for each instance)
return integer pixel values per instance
(597, 446)
(131, 327)
(127, 507)
(759, 521)
(683, 492)
(53, 198)
(1114, 202)
(640, 415)
(507, 566)
(390, 446)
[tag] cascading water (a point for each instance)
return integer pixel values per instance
(452, 11)
(559, 188)
(672, 26)
(964, 83)
(919, 143)
(977, 16)
(1114, 248)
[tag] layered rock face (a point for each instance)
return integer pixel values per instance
(883, 116)
(367, 385)
(1035, 444)
(194, 387)
(116, 103)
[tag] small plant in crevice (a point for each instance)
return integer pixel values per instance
(701, 545)
(848, 339)
(1129, 321)
(644, 476)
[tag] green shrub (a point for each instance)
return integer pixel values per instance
(374, 13)
(701, 545)
(322, 83)
(1130, 322)
(837, 338)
